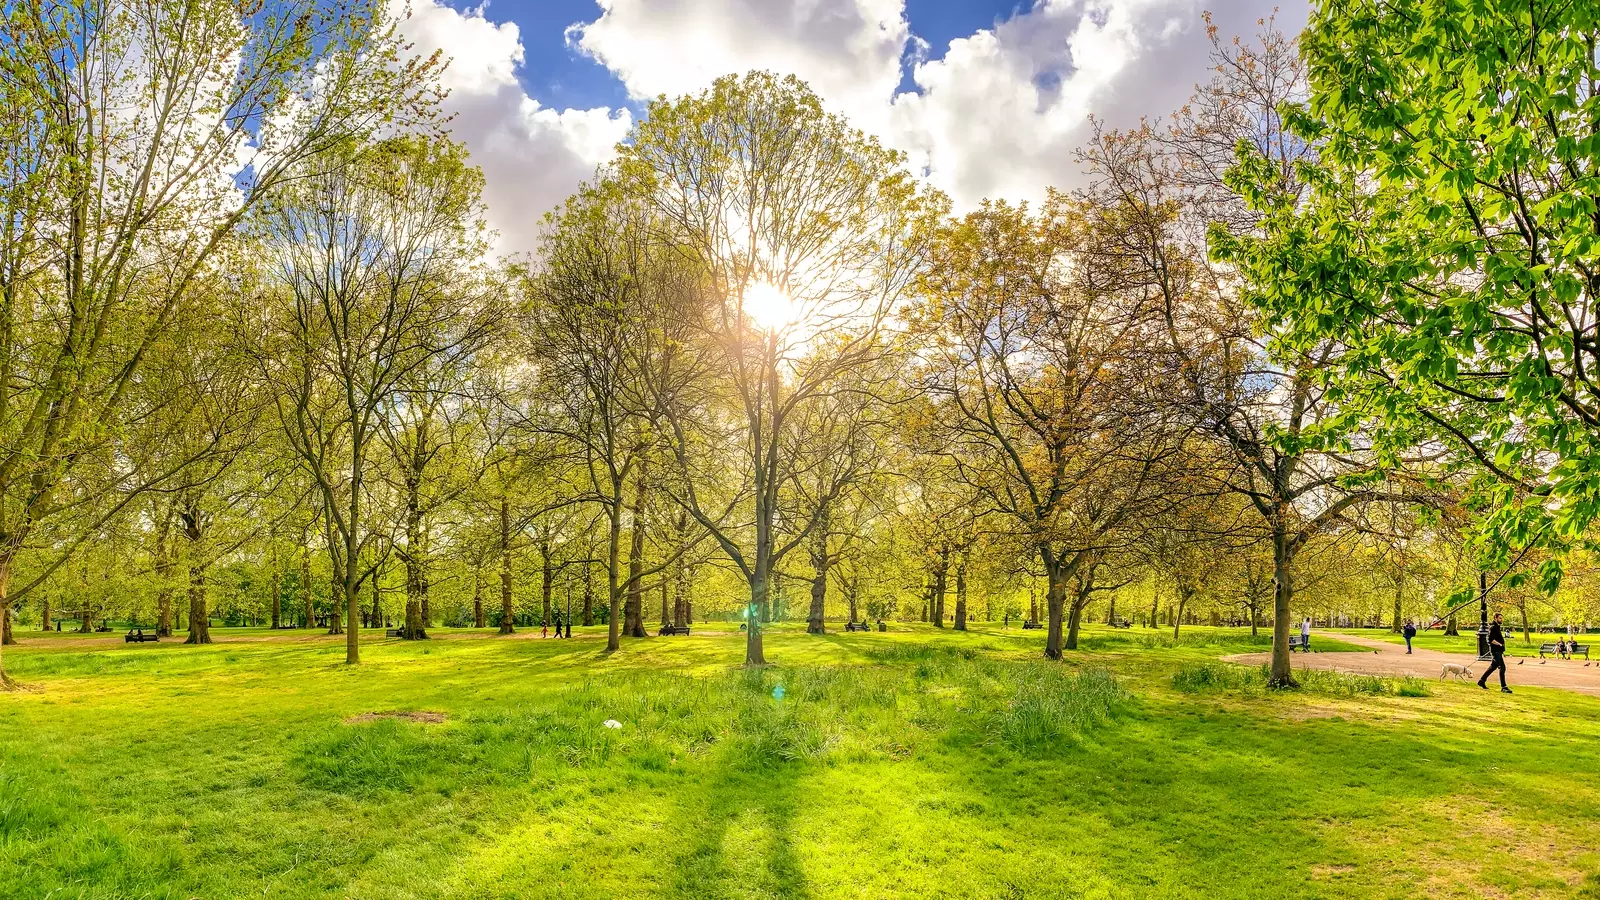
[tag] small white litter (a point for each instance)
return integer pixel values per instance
(611, 723)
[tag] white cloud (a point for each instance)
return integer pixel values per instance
(848, 50)
(532, 156)
(998, 113)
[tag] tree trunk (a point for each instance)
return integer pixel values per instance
(961, 595)
(680, 602)
(277, 598)
(754, 652)
(1075, 618)
(44, 615)
(1185, 594)
(506, 611)
(477, 597)
(377, 600)
(547, 579)
(634, 614)
(199, 616)
(6, 684)
(6, 637)
(1282, 594)
(416, 627)
(1055, 602)
(819, 585)
(588, 595)
(310, 610)
(1450, 626)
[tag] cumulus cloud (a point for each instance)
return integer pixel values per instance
(997, 113)
(850, 51)
(532, 156)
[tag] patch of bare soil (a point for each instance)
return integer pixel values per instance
(426, 718)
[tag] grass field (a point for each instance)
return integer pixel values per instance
(913, 763)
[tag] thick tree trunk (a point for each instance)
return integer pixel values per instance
(199, 616)
(416, 628)
(6, 637)
(754, 651)
(1450, 627)
(1055, 603)
(819, 588)
(44, 615)
(1282, 595)
(506, 610)
(634, 624)
(1185, 594)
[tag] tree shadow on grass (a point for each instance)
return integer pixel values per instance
(735, 836)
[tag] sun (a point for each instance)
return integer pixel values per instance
(768, 306)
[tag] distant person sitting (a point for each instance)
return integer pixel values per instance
(1410, 632)
(1561, 649)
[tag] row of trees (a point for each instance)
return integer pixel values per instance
(256, 350)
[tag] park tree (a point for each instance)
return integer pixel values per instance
(804, 233)
(1291, 449)
(611, 333)
(1444, 243)
(374, 276)
(1047, 378)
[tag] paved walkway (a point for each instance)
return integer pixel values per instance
(1391, 659)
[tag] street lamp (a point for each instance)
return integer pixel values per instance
(1483, 615)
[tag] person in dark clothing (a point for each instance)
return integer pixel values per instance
(1410, 632)
(1497, 649)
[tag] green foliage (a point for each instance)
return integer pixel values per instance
(1445, 246)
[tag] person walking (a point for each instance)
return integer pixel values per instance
(1497, 650)
(1410, 632)
(1305, 634)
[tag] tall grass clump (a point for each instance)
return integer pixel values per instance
(1048, 704)
(1216, 677)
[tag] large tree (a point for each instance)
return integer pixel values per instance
(1049, 386)
(805, 232)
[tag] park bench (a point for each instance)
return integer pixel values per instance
(394, 632)
(857, 626)
(137, 635)
(1121, 623)
(1028, 625)
(1303, 643)
(669, 630)
(1573, 649)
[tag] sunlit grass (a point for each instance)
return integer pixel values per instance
(913, 763)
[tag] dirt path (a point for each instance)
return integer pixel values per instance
(1392, 659)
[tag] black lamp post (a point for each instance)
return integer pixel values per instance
(1483, 615)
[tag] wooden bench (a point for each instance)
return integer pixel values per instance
(1028, 625)
(394, 632)
(1121, 623)
(669, 630)
(1573, 649)
(139, 636)
(857, 626)
(1299, 641)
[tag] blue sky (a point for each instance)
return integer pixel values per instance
(562, 76)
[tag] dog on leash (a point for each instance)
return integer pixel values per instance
(1460, 671)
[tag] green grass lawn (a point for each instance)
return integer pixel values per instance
(909, 764)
